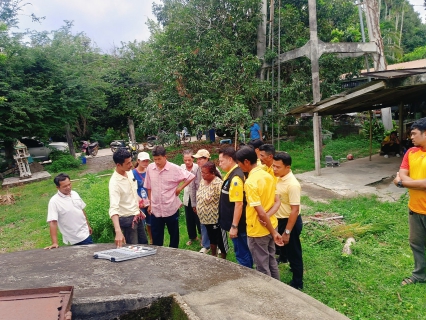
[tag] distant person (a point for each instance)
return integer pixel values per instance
(412, 175)
(208, 195)
(255, 132)
(391, 143)
(261, 227)
(145, 219)
(289, 220)
(190, 198)
(124, 200)
(66, 211)
(164, 182)
(232, 206)
(266, 155)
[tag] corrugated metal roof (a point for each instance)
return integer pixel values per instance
(399, 73)
(376, 94)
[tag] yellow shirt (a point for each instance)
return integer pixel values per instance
(123, 197)
(236, 190)
(288, 189)
(268, 170)
(260, 191)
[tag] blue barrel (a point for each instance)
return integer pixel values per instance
(83, 160)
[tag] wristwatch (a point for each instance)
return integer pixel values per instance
(234, 226)
(399, 184)
(287, 231)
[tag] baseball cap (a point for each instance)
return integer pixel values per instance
(202, 153)
(143, 156)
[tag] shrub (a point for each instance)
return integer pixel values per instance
(64, 163)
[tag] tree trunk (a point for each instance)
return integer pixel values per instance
(132, 131)
(261, 50)
(69, 140)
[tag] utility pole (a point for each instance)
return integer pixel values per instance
(313, 50)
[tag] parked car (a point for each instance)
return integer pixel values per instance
(39, 151)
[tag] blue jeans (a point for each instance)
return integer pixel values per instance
(157, 229)
(205, 236)
(417, 240)
(242, 251)
(88, 240)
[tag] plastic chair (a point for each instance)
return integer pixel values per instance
(329, 162)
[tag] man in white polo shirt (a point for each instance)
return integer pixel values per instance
(66, 211)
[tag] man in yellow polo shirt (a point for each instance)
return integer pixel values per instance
(260, 194)
(289, 221)
(266, 155)
(412, 175)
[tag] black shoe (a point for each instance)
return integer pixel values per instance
(298, 287)
(281, 261)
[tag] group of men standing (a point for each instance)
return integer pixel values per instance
(256, 210)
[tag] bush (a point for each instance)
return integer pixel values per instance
(64, 163)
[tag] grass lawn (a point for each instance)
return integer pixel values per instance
(364, 285)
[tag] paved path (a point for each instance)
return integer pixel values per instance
(359, 177)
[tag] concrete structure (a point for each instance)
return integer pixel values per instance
(205, 287)
(359, 177)
(16, 181)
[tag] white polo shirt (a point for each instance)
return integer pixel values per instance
(68, 211)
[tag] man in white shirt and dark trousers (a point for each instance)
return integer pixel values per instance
(66, 211)
(124, 200)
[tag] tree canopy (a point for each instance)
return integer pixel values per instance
(199, 68)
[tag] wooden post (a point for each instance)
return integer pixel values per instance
(69, 140)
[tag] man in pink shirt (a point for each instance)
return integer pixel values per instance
(164, 181)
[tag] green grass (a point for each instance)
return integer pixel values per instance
(364, 285)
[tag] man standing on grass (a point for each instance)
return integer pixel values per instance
(124, 200)
(232, 206)
(260, 194)
(164, 182)
(190, 198)
(66, 211)
(412, 175)
(289, 221)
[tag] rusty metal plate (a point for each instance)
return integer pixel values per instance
(37, 304)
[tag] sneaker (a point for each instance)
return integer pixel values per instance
(398, 155)
(204, 250)
(386, 156)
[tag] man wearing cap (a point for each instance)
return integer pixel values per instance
(202, 156)
(164, 181)
(123, 199)
(145, 219)
(190, 198)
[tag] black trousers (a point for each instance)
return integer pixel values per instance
(192, 222)
(293, 250)
(390, 148)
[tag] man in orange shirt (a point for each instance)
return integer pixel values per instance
(412, 175)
